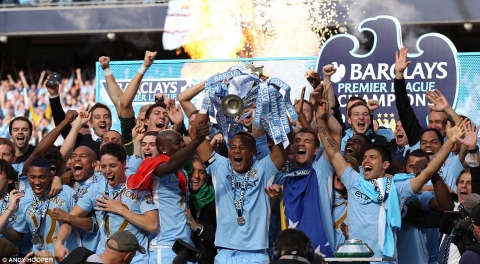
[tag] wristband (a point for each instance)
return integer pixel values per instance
(107, 72)
(473, 150)
(143, 69)
(199, 230)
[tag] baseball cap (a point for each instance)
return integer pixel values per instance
(475, 215)
(126, 241)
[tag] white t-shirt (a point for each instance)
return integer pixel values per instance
(94, 259)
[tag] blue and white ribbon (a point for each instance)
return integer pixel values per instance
(288, 103)
(271, 106)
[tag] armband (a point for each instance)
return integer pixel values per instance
(210, 160)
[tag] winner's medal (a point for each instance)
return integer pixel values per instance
(35, 240)
(239, 203)
(240, 220)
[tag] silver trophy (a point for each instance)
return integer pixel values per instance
(236, 101)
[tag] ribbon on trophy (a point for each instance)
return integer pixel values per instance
(271, 106)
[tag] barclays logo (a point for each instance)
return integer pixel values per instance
(371, 75)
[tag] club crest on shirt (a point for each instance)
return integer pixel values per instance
(149, 199)
(253, 174)
(80, 194)
(173, 178)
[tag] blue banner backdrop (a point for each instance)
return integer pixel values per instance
(174, 76)
(436, 64)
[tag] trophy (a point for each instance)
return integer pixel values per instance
(228, 94)
(232, 104)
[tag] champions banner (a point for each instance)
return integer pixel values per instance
(368, 74)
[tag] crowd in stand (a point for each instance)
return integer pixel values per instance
(133, 196)
(23, 93)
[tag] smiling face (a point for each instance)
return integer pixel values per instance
(158, 119)
(198, 176)
(40, 180)
(400, 135)
(355, 147)
(113, 170)
(438, 120)
(241, 153)
(101, 121)
(359, 119)
(464, 186)
(373, 165)
(430, 143)
(82, 163)
(21, 134)
(149, 147)
(304, 149)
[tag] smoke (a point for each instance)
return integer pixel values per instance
(370, 8)
(290, 35)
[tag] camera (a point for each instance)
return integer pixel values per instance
(459, 226)
(54, 78)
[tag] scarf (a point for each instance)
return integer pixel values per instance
(389, 213)
(205, 195)
(141, 179)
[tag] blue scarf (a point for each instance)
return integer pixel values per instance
(393, 218)
(302, 206)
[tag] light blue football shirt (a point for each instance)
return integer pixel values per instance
(363, 213)
(253, 235)
(138, 202)
(171, 205)
(90, 238)
(27, 219)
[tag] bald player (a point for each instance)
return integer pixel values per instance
(83, 163)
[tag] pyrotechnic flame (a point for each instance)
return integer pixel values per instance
(218, 28)
(259, 28)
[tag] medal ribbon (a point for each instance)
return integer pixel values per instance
(6, 198)
(115, 195)
(239, 203)
(36, 206)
